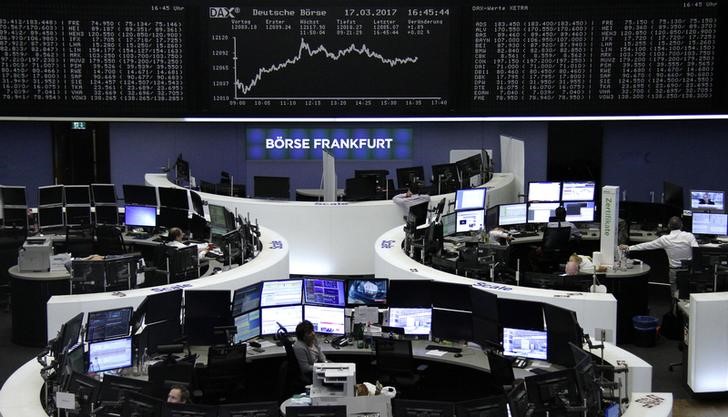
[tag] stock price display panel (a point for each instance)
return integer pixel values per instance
(329, 60)
(92, 59)
(597, 57)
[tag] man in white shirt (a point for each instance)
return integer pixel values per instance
(678, 246)
(175, 240)
(409, 199)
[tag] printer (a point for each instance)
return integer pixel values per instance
(333, 384)
(35, 255)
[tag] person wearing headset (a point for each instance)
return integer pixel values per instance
(307, 349)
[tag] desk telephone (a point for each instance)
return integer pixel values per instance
(340, 341)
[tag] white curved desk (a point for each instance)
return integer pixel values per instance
(333, 238)
(271, 263)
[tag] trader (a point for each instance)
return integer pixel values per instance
(178, 394)
(678, 246)
(559, 220)
(410, 198)
(175, 240)
(307, 349)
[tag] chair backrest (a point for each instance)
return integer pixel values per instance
(183, 263)
(393, 355)
(556, 239)
(109, 240)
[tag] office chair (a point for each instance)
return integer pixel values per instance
(183, 265)
(556, 248)
(395, 364)
(11, 240)
(109, 240)
(163, 375)
(290, 377)
(80, 240)
(501, 370)
(222, 381)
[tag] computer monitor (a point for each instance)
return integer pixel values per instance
(520, 314)
(107, 215)
(449, 224)
(672, 195)
(563, 328)
(410, 293)
(171, 217)
(74, 361)
(544, 191)
(50, 195)
(260, 409)
(287, 316)
(13, 195)
(50, 217)
(205, 310)
(494, 406)
(414, 321)
(280, 293)
(510, 214)
(110, 354)
(417, 214)
(77, 195)
(530, 344)
(707, 200)
(140, 405)
(577, 191)
(580, 211)
(470, 169)
(78, 215)
(410, 177)
(378, 175)
(327, 320)
(221, 217)
(470, 221)
(329, 292)
(445, 178)
(272, 187)
(103, 193)
(69, 334)
(710, 224)
(248, 326)
(140, 216)
(550, 389)
(188, 410)
(451, 296)
(17, 217)
(371, 292)
(419, 408)
(182, 169)
(173, 198)
(141, 195)
(541, 212)
(246, 299)
(108, 324)
(452, 325)
(470, 199)
(197, 204)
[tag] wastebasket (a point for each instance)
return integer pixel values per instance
(645, 330)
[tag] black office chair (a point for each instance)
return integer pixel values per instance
(556, 248)
(501, 370)
(109, 240)
(290, 377)
(11, 240)
(80, 240)
(395, 364)
(164, 375)
(222, 381)
(184, 264)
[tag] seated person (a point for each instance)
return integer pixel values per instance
(307, 349)
(500, 235)
(410, 198)
(577, 263)
(178, 394)
(560, 221)
(175, 240)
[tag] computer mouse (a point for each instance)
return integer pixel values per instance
(458, 355)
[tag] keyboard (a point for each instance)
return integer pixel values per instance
(524, 234)
(538, 371)
(444, 348)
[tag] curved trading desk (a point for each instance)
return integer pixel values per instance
(271, 263)
(333, 238)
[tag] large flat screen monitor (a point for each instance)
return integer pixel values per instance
(141, 216)
(510, 214)
(544, 191)
(329, 292)
(371, 292)
(173, 198)
(530, 344)
(410, 293)
(577, 191)
(171, 217)
(50, 216)
(77, 195)
(710, 224)
(327, 320)
(140, 195)
(107, 215)
(707, 200)
(541, 212)
(470, 221)
(50, 195)
(470, 199)
(103, 193)
(246, 299)
(108, 324)
(247, 325)
(110, 354)
(78, 215)
(414, 321)
(12, 195)
(288, 317)
(580, 211)
(452, 325)
(280, 293)
(15, 217)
